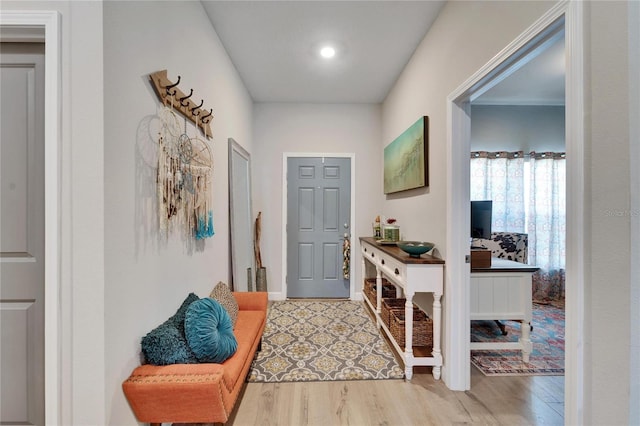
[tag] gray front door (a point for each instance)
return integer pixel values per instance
(318, 218)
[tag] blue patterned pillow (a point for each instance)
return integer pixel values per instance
(209, 331)
(167, 343)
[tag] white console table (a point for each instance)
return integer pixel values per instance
(503, 292)
(412, 275)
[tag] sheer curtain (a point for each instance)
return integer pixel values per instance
(499, 176)
(547, 223)
(502, 178)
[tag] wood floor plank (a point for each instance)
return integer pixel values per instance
(514, 400)
(558, 407)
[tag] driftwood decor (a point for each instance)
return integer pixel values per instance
(171, 95)
(256, 240)
(261, 271)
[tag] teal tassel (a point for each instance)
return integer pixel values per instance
(210, 230)
(204, 229)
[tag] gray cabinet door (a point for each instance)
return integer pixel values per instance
(318, 218)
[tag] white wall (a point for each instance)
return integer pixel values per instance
(517, 128)
(80, 301)
(313, 128)
(608, 170)
(146, 276)
(467, 35)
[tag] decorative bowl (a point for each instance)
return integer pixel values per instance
(415, 248)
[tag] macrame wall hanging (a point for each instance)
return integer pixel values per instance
(185, 163)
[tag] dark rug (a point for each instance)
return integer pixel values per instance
(547, 357)
(322, 341)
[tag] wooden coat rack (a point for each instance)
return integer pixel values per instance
(170, 94)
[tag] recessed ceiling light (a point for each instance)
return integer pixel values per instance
(327, 52)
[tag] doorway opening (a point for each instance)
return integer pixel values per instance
(517, 169)
(567, 16)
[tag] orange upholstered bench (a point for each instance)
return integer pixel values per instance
(200, 393)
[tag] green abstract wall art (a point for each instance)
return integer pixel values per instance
(406, 160)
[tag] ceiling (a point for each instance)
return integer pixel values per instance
(275, 46)
(540, 81)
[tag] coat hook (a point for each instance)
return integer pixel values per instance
(171, 86)
(205, 116)
(185, 98)
(193, 109)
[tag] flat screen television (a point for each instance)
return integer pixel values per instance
(481, 219)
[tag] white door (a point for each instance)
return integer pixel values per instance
(22, 234)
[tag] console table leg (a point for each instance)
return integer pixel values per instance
(436, 373)
(408, 334)
(437, 319)
(408, 324)
(408, 371)
(378, 292)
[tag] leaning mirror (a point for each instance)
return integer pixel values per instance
(240, 217)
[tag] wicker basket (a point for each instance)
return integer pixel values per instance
(389, 304)
(388, 289)
(422, 328)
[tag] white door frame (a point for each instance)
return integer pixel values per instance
(457, 319)
(285, 157)
(50, 21)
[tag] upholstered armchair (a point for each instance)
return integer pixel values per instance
(506, 245)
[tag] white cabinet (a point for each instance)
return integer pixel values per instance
(412, 275)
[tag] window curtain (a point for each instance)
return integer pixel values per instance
(499, 176)
(547, 224)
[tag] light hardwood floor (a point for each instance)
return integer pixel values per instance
(423, 401)
(512, 400)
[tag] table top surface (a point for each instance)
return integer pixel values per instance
(504, 265)
(397, 253)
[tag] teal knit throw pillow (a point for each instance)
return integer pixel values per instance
(167, 344)
(209, 331)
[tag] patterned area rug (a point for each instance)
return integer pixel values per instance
(322, 341)
(547, 337)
